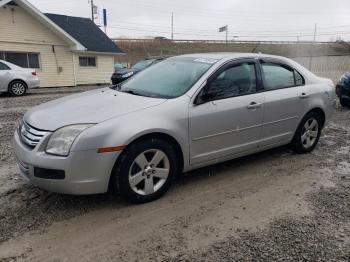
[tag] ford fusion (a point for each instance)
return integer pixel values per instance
(183, 113)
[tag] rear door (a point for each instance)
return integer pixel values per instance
(285, 101)
(229, 121)
(5, 77)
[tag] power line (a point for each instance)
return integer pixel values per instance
(164, 27)
(245, 35)
(144, 27)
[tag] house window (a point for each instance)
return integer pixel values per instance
(87, 61)
(26, 60)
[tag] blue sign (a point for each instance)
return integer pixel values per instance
(105, 17)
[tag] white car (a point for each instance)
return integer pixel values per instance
(16, 80)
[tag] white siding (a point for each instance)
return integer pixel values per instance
(50, 63)
(16, 25)
(20, 32)
(101, 74)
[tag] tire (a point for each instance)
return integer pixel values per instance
(308, 133)
(17, 88)
(141, 178)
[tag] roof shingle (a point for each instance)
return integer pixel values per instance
(85, 32)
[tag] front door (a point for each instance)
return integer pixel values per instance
(229, 119)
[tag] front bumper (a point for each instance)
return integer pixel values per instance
(86, 172)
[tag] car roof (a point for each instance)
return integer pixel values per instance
(232, 55)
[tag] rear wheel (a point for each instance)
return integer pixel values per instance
(145, 171)
(308, 133)
(17, 88)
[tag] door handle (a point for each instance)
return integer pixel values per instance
(254, 105)
(303, 96)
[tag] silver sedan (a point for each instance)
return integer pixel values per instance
(181, 114)
(17, 80)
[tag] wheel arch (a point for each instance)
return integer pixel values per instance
(167, 138)
(17, 80)
(161, 135)
(319, 111)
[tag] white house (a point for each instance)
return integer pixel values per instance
(65, 51)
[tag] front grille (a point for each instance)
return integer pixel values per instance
(30, 135)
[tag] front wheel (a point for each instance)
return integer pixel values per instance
(145, 171)
(308, 133)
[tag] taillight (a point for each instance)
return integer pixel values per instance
(34, 73)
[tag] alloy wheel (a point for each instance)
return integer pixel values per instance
(18, 89)
(309, 133)
(149, 172)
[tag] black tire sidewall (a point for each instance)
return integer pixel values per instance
(297, 144)
(121, 175)
(11, 86)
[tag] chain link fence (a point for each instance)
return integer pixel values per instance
(328, 60)
(326, 66)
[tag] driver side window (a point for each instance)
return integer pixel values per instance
(239, 79)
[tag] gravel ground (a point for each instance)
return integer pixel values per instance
(272, 206)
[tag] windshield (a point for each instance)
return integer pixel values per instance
(142, 64)
(168, 79)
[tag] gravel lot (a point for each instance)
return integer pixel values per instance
(272, 206)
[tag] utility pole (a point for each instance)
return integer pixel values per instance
(226, 34)
(315, 32)
(224, 29)
(172, 25)
(92, 11)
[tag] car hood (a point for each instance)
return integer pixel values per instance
(89, 107)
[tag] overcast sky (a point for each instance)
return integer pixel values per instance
(200, 19)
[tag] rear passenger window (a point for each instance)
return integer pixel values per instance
(276, 76)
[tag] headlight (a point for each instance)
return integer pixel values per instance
(127, 75)
(62, 139)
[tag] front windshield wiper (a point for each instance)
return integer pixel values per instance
(132, 92)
